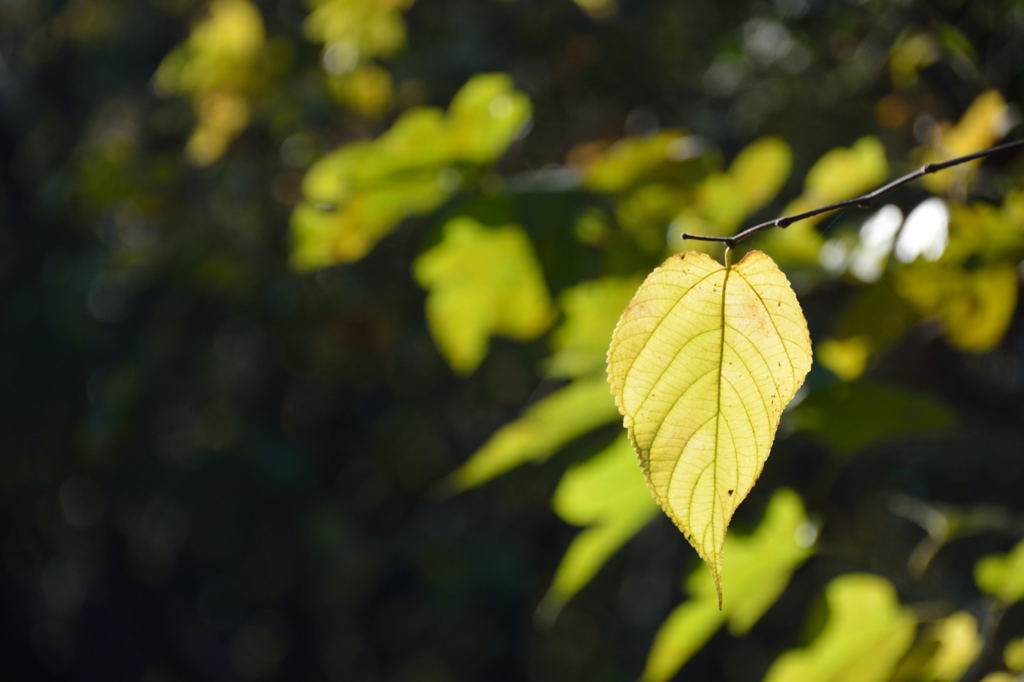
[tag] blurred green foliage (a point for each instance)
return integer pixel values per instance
(292, 289)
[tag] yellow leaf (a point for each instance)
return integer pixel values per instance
(634, 161)
(1013, 654)
(840, 173)
(759, 568)
(847, 358)
(482, 281)
(753, 179)
(974, 306)
(981, 125)
(361, 28)
(866, 633)
(357, 194)
(1002, 575)
(702, 363)
(760, 170)
(485, 117)
(546, 426)
(591, 309)
(366, 90)
(944, 652)
(909, 54)
(874, 319)
(607, 495)
(219, 65)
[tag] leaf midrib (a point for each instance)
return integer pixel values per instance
(718, 429)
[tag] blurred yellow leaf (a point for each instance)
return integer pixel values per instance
(602, 488)
(637, 160)
(219, 67)
(1013, 654)
(357, 194)
(944, 652)
(591, 309)
(866, 633)
(364, 28)
(482, 281)
(847, 358)
(607, 495)
(542, 430)
(758, 571)
(366, 90)
(646, 210)
(702, 363)
(973, 306)
(908, 55)
(841, 173)
(981, 125)
(681, 635)
(754, 178)
(485, 117)
(652, 178)
(760, 170)
(981, 231)
(1002, 575)
(873, 320)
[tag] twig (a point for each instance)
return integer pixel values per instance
(863, 201)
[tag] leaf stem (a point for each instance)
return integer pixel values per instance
(862, 201)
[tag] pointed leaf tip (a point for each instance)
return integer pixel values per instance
(702, 363)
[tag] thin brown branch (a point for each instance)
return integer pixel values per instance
(863, 201)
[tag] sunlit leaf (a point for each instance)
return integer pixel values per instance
(850, 417)
(362, 28)
(482, 281)
(991, 233)
(866, 633)
(636, 160)
(981, 125)
(1002, 575)
(944, 652)
(758, 570)
(607, 495)
(544, 428)
(759, 171)
(974, 306)
(219, 67)
(1013, 654)
(908, 55)
(366, 90)
(847, 358)
(485, 117)
(841, 173)
(357, 194)
(872, 321)
(682, 634)
(754, 178)
(702, 363)
(580, 344)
